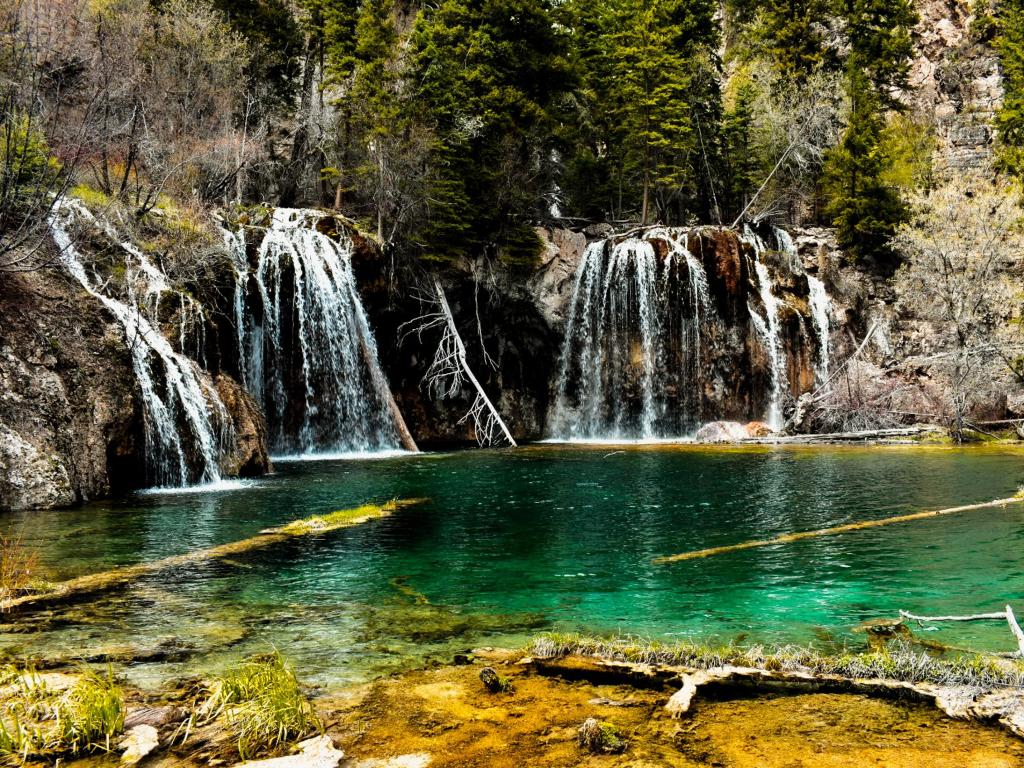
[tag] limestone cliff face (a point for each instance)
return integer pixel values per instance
(956, 82)
(69, 422)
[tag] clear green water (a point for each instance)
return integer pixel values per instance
(514, 542)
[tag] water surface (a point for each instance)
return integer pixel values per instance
(510, 543)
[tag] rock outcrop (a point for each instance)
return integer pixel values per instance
(70, 426)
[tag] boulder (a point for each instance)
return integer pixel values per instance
(317, 752)
(137, 743)
(249, 457)
(722, 432)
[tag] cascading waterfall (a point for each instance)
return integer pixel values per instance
(821, 313)
(768, 328)
(306, 351)
(613, 378)
(187, 427)
(654, 349)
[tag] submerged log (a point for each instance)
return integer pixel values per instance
(787, 538)
(105, 581)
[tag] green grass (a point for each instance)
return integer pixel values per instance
(262, 703)
(36, 722)
(899, 661)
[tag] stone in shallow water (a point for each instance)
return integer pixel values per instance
(317, 752)
(138, 742)
(721, 432)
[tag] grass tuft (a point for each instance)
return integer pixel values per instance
(262, 702)
(37, 722)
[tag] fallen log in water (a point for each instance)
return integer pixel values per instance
(787, 538)
(1004, 705)
(105, 581)
(1011, 620)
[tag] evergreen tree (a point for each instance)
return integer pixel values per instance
(275, 44)
(487, 76)
(785, 32)
(643, 64)
(863, 207)
(1009, 44)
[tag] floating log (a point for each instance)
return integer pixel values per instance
(105, 581)
(975, 617)
(787, 538)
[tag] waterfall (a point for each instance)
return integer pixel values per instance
(625, 347)
(821, 312)
(187, 427)
(306, 351)
(769, 329)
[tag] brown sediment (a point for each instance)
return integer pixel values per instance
(105, 581)
(447, 714)
(786, 538)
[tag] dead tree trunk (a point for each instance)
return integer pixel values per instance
(482, 405)
(450, 369)
(380, 382)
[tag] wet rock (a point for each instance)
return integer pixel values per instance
(139, 741)
(156, 717)
(494, 682)
(758, 429)
(249, 458)
(68, 418)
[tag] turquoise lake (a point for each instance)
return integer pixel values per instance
(515, 542)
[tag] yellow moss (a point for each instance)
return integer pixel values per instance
(339, 519)
(92, 197)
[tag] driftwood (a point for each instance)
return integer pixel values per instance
(1011, 620)
(1002, 705)
(105, 581)
(846, 437)
(787, 538)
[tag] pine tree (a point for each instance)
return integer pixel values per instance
(1009, 44)
(863, 207)
(785, 32)
(488, 74)
(641, 65)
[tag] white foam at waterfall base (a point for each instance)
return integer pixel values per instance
(340, 406)
(187, 417)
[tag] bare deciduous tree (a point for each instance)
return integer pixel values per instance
(964, 251)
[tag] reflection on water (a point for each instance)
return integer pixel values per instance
(514, 542)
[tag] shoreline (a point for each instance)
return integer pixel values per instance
(775, 714)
